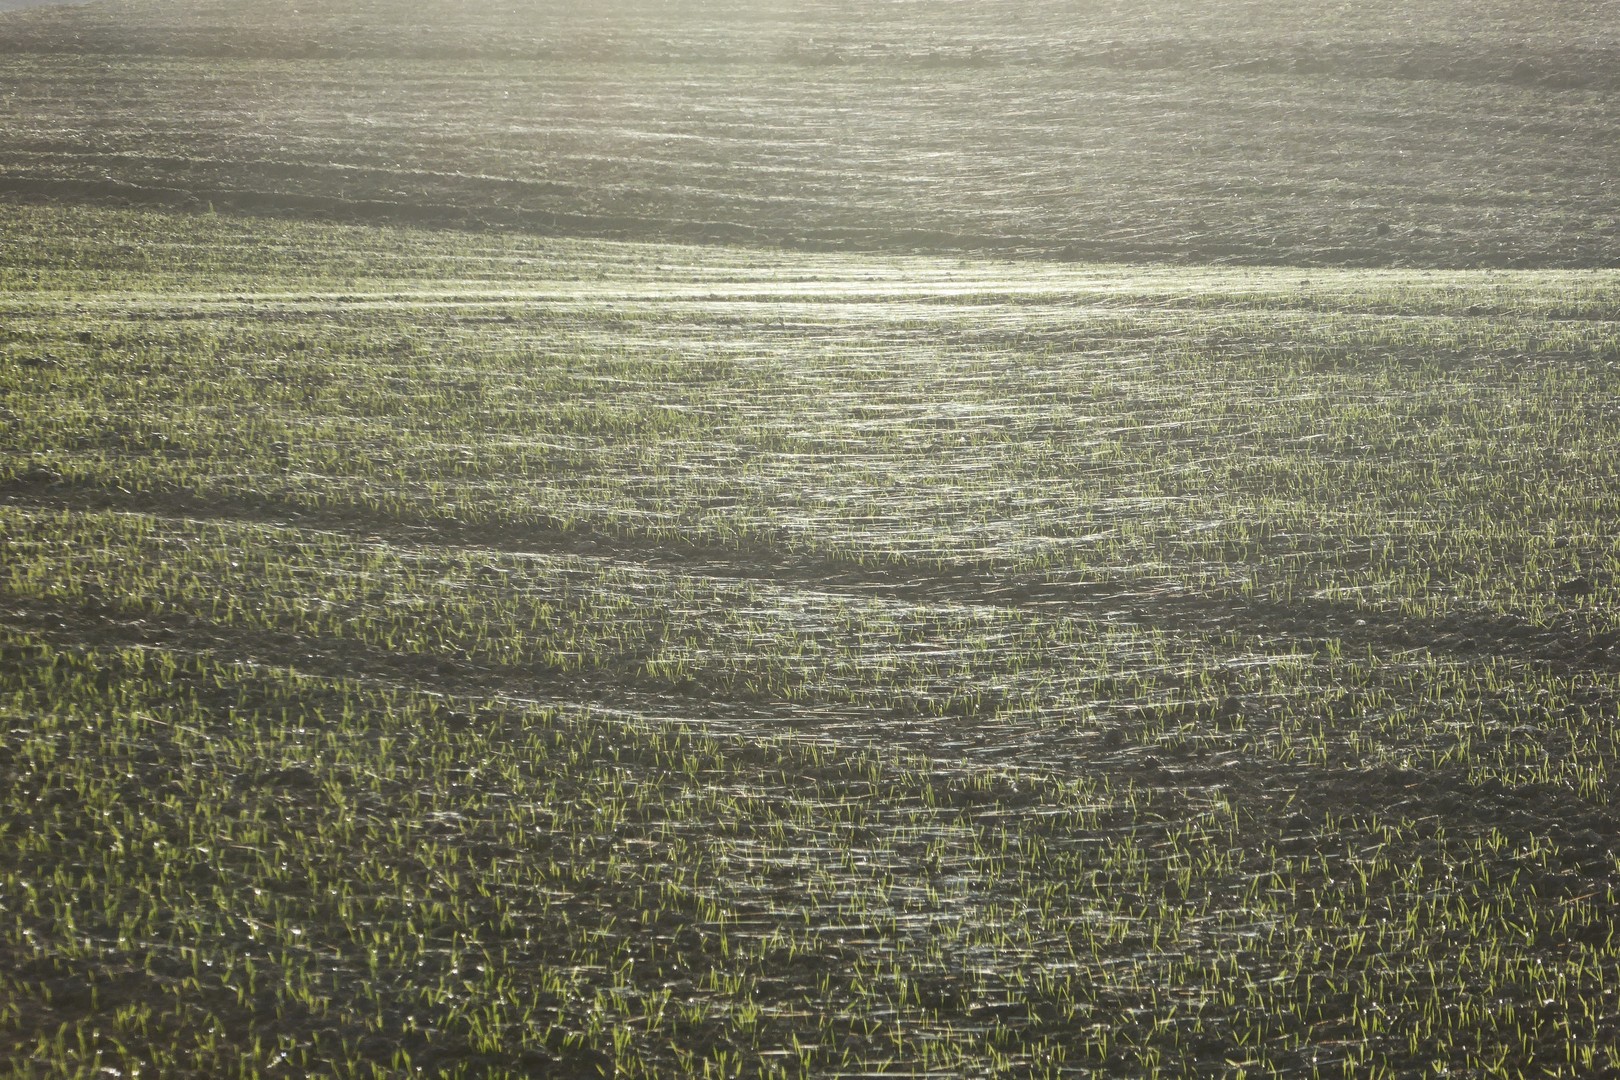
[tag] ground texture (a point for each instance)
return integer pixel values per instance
(814, 539)
(427, 653)
(1433, 134)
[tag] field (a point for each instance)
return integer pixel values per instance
(820, 538)
(428, 653)
(1329, 132)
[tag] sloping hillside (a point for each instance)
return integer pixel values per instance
(1448, 134)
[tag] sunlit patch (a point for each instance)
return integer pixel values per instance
(576, 656)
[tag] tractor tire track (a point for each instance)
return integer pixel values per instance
(1577, 642)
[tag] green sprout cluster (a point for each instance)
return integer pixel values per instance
(467, 655)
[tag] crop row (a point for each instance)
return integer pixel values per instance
(424, 654)
(223, 867)
(582, 629)
(1425, 466)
